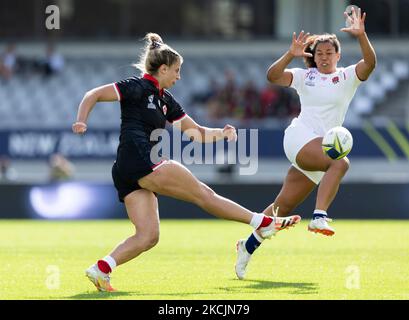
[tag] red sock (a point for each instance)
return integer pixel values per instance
(266, 221)
(104, 266)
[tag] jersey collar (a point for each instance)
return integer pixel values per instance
(155, 82)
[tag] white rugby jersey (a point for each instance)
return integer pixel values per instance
(324, 97)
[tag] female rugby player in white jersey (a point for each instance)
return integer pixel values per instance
(325, 93)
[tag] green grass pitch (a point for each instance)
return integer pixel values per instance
(195, 260)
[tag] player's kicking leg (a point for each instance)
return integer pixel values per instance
(175, 180)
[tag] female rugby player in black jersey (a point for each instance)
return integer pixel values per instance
(146, 105)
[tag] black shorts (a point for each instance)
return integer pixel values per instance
(132, 163)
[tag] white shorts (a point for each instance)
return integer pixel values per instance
(296, 136)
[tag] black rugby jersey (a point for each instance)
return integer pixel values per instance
(144, 108)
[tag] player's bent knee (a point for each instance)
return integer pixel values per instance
(149, 240)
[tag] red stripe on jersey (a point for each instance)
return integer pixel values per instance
(119, 91)
(149, 77)
(157, 165)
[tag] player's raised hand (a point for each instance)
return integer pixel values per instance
(356, 22)
(230, 133)
(299, 44)
(79, 127)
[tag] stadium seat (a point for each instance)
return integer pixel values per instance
(55, 100)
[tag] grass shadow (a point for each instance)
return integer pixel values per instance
(106, 295)
(296, 287)
(100, 295)
(240, 286)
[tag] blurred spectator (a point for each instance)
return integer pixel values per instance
(249, 101)
(214, 106)
(228, 93)
(7, 173)
(222, 102)
(60, 168)
(53, 62)
(8, 62)
(269, 99)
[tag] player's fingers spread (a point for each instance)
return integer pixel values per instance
(305, 37)
(353, 12)
(308, 43)
(297, 37)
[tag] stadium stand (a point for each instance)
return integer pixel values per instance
(30, 100)
(33, 100)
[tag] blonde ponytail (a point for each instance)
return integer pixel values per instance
(155, 54)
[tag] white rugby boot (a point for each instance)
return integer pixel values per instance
(278, 224)
(320, 225)
(100, 280)
(243, 258)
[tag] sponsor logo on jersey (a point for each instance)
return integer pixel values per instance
(151, 105)
(335, 80)
(165, 109)
(310, 77)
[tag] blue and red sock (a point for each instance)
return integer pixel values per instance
(253, 242)
(319, 214)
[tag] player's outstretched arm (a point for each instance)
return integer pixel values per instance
(100, 94)
(202, 134)
(357, 28)
(276, 73)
